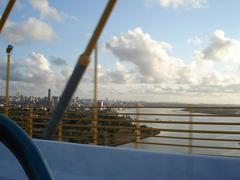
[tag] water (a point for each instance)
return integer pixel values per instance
(186, 127)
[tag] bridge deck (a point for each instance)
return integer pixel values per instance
(86, 162)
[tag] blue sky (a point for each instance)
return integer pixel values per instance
(153, 50)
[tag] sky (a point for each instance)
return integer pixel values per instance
(184, 51)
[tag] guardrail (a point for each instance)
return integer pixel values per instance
(199, 130)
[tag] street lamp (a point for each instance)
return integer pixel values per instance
(8, 51)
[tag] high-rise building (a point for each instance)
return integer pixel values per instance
(49, 95)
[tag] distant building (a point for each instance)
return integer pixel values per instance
(101, 105)
(49, 95)
(55, 100)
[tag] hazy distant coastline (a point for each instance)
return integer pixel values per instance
(199, 108)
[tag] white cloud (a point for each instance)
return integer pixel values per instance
(47, 11)
(221, 48)
(153, 65)
(119, 76)
(188, 75)
(66, 72)
(32, 28)
(150, 58)
(195, 41)
(33, 69)
(34, 75)
(179, 3)
(145, 68)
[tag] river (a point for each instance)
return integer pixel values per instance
(194, 127)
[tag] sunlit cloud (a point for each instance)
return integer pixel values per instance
(153, 64)
(31, 29)
(178, 3)
(47, 11)
(194, 41)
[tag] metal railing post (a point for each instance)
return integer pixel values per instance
(23, 120)
(59, 132)
(94, 124)
(190, 129)
(137, 127)
(95, 108)
(30, 121)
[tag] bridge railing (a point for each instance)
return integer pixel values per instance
(198, 130)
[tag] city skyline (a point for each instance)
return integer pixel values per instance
(151, 50)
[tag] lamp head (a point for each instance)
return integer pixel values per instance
(9, 49)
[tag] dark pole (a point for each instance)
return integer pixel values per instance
(77, 74)
(6, 13)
